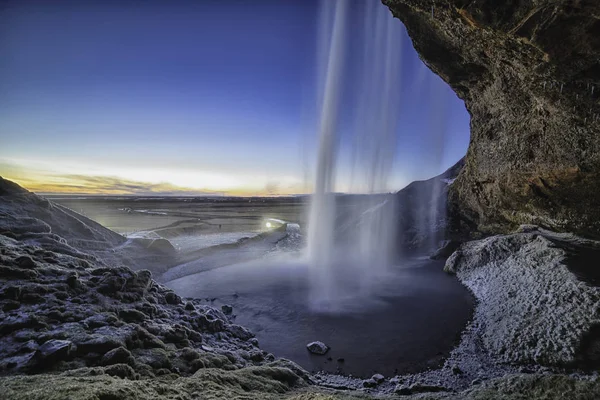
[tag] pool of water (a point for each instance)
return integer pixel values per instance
(407, 321)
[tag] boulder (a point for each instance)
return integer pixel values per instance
(317, 347)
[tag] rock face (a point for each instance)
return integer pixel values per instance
(529, 73)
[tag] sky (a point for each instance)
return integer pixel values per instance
(190, 97)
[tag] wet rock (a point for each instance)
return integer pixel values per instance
(317, 347)
(209, 323)
(32, 298)
(58, 350)
(10, 305)
(369, 383)
(98, 320)
(402, 390)
(227, 309)
(141, 281)
(121, 370)
(172, 298)
(73, 281)
(11, 293)
(25, 262)
(120, 355)
(111, 284)
(156, 358)
(17, 273)
(240, 332)
(99, 344)
(189, 354)
(132, 315)
(448, 247)
(176, 335)
(257, 356)
(16, 322)
(423, 388)
(378, 378)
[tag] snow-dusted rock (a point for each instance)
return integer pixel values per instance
(531, 309)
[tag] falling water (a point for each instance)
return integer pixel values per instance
(351, 248)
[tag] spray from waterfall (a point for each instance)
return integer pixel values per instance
(352, 238)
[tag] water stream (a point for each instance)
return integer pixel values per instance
(351, 262)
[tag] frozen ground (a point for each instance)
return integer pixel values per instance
(68, 304)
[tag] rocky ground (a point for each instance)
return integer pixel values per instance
(76, 322)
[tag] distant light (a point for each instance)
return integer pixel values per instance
(268, 224)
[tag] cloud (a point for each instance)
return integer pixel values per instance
(41, 179)
(48, 183)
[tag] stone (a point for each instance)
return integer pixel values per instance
(227, 309)
(402, 390)
(156, 358)
(172, 298)
(378, 378)
(369, 383)
(25, 262)
(424, 388)
(123, 371)
(56, 349)
(317, 347)
(120, 355)
(132, 315)
(240, 332)
(10, 305)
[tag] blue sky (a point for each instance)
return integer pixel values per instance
(187, 97)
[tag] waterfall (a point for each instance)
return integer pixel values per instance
(351, 245)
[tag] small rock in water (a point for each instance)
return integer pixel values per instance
(227, 309)
(317, 347)
(341, 360)
(378, 378)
